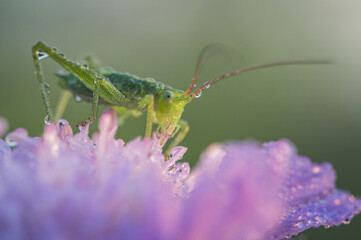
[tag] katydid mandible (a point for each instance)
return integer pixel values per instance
(130, 95)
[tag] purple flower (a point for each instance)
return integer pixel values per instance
(65, 186)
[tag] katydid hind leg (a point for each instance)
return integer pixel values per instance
(42, 84)
(86, 75)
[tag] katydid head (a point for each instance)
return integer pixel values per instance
(170, 106)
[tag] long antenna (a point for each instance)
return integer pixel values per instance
(204, 55)
(206, 85)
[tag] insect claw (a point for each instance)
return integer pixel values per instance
(167, 156)
(84, 123)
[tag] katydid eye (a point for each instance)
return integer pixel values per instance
(168, 96)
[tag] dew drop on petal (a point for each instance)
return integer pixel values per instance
(47, 120)
(301, 225)
(316, 169)
(64, 129)
(337, 201)
(12, 143)
(346, 221)
(13, 138)
(68, 138)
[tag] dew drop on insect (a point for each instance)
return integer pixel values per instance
(42, 55)
(198, 95)
(47, 120)
(78, 98)
(47, 88)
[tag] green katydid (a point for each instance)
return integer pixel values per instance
(130, 95)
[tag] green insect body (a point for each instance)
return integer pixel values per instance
(169, 102)
(129, 95)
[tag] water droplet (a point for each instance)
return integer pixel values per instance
(320, 219)
(346, 221)
(47, 120)
(86, 66)
(13, 138)
(301, 225)
(316, 169)
(62, 54)
(207, 86)
(55, 49)
(47, 88)
(198, 95)
(42, 55)
(68, 138)
(62, 123)
(11, 143)
(78, 98)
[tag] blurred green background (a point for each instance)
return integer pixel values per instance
(316, 107)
